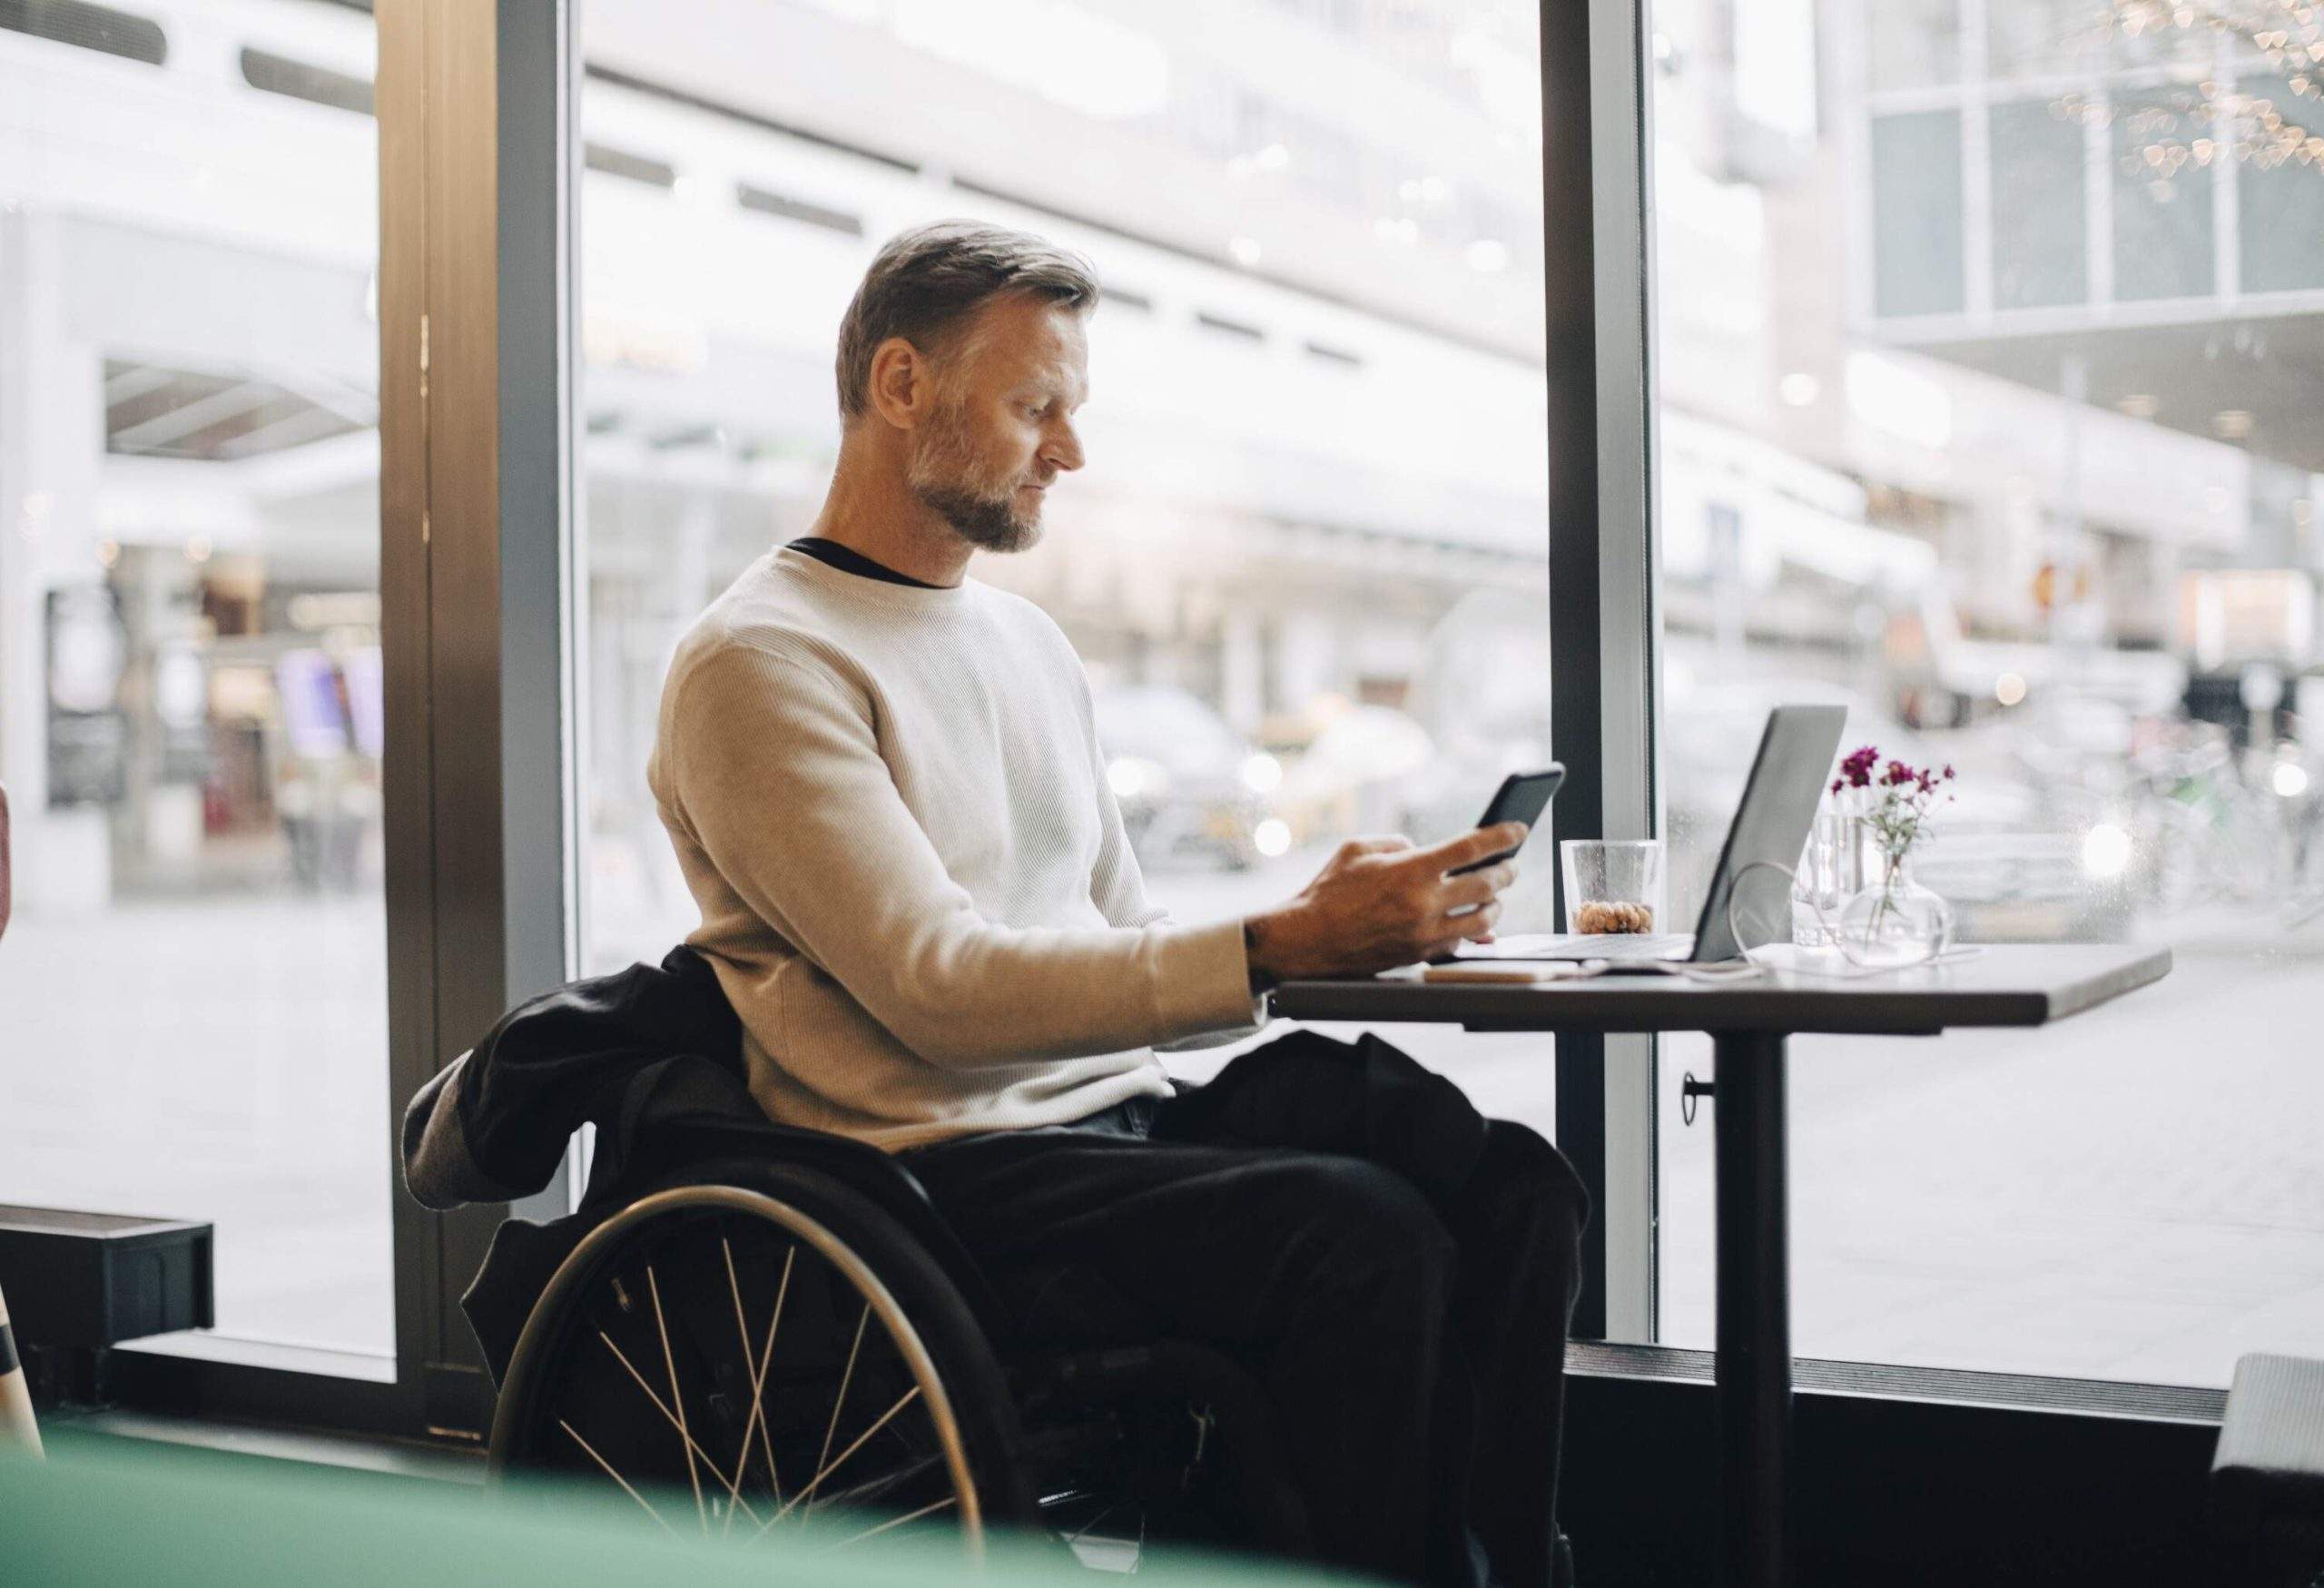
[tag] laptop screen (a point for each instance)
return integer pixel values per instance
(1771, 825)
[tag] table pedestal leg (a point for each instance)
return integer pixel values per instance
(1754, 1385)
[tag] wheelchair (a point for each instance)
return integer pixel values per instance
(761, 1330)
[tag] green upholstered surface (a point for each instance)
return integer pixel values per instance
(104, 1512)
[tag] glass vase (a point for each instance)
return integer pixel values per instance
(1893, 920)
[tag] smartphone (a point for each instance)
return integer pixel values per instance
(1522, 797)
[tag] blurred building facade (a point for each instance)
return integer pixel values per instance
(1319, 368)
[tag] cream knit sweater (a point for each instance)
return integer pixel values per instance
(889, 803)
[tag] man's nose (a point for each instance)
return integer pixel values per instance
(1062, 449)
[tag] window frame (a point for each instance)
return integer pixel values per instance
(476, 491)
(1604, 566)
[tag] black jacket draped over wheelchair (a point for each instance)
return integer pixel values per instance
(652, 1056)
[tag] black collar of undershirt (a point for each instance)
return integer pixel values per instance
(847, 559)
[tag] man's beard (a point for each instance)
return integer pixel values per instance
(953, 483)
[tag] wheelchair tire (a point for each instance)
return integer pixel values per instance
(694, 1414)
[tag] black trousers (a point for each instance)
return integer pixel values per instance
(1396, 1270)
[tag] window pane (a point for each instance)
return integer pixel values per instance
(192, 996)
(1305, 566)
(2281, 212)
(2162, 197)
(1916, 213)
(2037, 187)
(2079, 563)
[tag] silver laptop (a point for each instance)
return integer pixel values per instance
(1771, 822)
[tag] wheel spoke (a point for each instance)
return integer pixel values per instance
(757, 1371)
(616, 1477)
(667, 1416)
(898, 1521)
(808, 1493)
(669, 1361)
(873, 1489)
(845, 1378)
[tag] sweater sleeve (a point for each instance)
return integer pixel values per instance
(777, 774)
(1118, 887)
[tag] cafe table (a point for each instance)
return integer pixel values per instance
(1750, 1021)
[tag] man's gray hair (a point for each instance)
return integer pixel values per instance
(928, 283)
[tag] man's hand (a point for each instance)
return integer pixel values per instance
(1381, 902)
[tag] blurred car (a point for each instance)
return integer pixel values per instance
(1187, 783)
(1349, 775)
(2022, 856)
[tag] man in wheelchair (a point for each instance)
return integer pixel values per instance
(885, 791)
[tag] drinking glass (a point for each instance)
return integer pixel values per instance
(1831, 873)
(1613, 886)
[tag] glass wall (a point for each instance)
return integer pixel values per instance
(1305, 565)
(2007, 445)
(192, 997)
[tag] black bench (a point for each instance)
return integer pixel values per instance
(2267, 1477)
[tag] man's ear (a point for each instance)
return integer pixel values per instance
(902, 388)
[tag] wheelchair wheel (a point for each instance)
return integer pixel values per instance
(775, 1357)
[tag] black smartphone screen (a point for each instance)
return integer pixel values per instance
(1522, 797)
